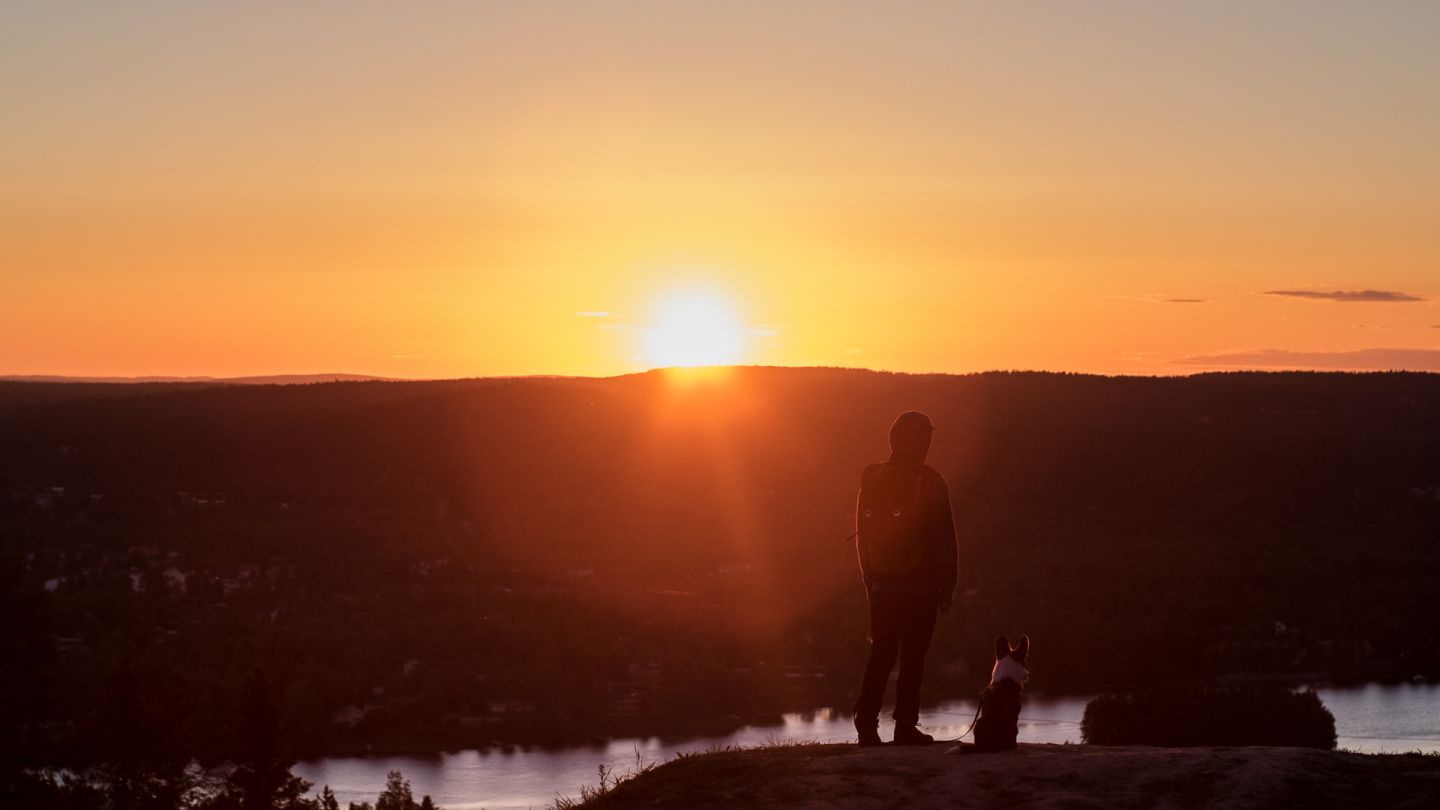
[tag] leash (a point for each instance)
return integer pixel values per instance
(983, 696)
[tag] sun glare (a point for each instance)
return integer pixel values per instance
(694, 329)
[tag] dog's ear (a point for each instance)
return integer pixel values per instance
(1002, 648)
(1023, 650)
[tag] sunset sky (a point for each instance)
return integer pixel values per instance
(458, 189)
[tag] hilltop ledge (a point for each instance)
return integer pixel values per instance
(1035, 776)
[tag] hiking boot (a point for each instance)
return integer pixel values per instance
(910, 735)
(869, 732)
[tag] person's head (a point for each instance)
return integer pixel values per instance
(910, 437)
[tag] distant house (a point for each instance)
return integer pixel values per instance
(202, 500)
(49, 497)
(175, 578)
(647, 674)
(66, 644)
(349, 716)
(473, 721)
(797, 674)
(426, 566)
(1426, 491)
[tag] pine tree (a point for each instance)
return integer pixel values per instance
(262, 779)
(426, 804)
(328, 800)
(143, 763)
(396, 795)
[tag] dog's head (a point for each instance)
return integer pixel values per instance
(1010, 661)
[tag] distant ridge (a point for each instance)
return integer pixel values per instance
(302, 379)
(272, 379)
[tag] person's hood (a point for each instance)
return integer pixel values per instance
(910, 438)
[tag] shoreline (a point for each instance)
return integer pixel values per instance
(732, 726)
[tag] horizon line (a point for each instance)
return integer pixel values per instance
(303, 378)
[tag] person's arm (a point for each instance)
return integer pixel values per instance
(946, 545)
(859, 546)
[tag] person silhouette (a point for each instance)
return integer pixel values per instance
(907, 551)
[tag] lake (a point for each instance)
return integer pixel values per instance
(1373, 718)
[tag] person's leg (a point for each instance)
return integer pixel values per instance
(915, 633)
(884, 647)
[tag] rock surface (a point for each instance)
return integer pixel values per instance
(1035, 776)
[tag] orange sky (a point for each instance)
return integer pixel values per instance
(457, 189)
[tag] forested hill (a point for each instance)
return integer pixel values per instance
(485, 559)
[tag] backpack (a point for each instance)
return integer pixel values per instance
(892, 538)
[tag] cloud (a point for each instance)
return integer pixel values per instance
(592, 313)
(1183, 300)
(1348, 296)
(1358, 360)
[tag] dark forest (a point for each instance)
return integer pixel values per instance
(418, 566)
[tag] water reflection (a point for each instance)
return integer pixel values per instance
(1371, 718)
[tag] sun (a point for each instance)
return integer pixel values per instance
(694, 329)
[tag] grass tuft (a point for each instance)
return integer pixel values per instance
(609, 780)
